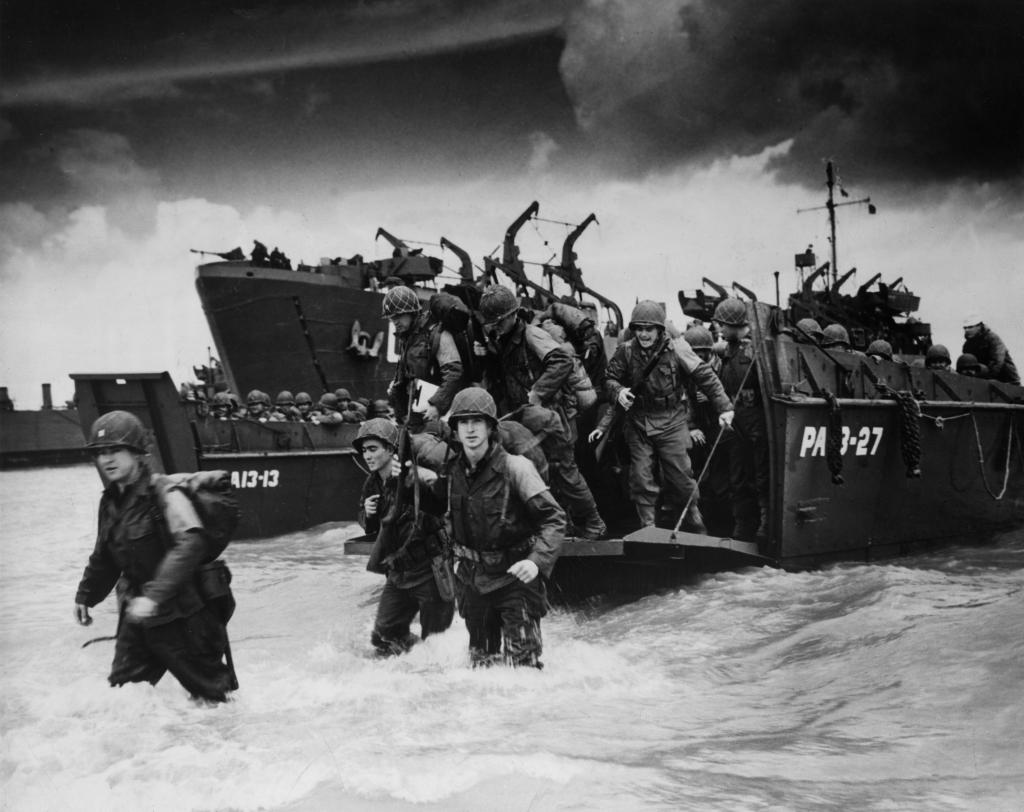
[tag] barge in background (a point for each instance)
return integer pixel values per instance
(33, 438)
(869, 458)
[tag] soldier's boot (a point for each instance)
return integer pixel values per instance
(761, 534)
(693, 522)
(594, 529)
(646, 514)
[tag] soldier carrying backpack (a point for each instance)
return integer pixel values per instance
(153, 547)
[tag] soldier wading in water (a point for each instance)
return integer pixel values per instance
(150, 544)
(405, 553)
(507, 530)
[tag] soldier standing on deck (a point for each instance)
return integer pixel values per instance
(656, 424)
(507, 530)
(429, 353)
(749, 467)
(532, 382)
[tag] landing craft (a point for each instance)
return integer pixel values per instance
(868, 458)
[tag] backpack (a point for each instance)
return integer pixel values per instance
(450, 312)
(215, 502)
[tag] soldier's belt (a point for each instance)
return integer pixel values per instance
(656, 403)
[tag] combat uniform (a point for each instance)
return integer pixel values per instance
(146, 551)
(501, 512)
(657, 425)
(410, 585)
(991, 352)
(531, 361)
(748, 451)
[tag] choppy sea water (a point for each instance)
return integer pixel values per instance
(881, 687)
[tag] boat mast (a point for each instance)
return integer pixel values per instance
(830, 175)
(831, 206)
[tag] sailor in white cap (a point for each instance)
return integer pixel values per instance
(989, 349)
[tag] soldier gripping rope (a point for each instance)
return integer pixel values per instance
(748, 458)
(647, 378)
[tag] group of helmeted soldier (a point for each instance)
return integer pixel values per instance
(983, 355)
(532, 393)
(330, 409)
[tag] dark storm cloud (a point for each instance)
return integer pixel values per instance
(910, 91)
(90, 52)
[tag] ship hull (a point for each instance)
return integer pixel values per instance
(279, 330)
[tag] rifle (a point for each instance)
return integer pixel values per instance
(619, 412)
(388, 539)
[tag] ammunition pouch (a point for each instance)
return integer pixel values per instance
(493, 562)
(213, 581)
(651, 403)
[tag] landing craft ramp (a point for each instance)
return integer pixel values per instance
(288, 476)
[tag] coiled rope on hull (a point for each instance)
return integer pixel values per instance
(834, 438)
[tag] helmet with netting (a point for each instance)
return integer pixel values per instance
(400, 300)
(731, 311)
(473, 401)
(496, 302)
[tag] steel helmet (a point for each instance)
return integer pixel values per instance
(328, 400)
(496, 302)
(117, 429)
(303, 399)
(648, 313)
(342, 394)
(257, 396)
(473, 402)
(379, 408)
(880, 347)
(400, 300)
(811, 327)
(376, 429)
(285, 398)
(731, 311)
(699, 337)
(937, 353)
(967, 363)
(835, 335)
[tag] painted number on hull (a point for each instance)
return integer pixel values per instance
(863, 444)
(254, 479)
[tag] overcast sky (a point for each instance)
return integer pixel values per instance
(131, 132)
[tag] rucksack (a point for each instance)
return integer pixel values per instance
(449, 312)
(214, 500)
